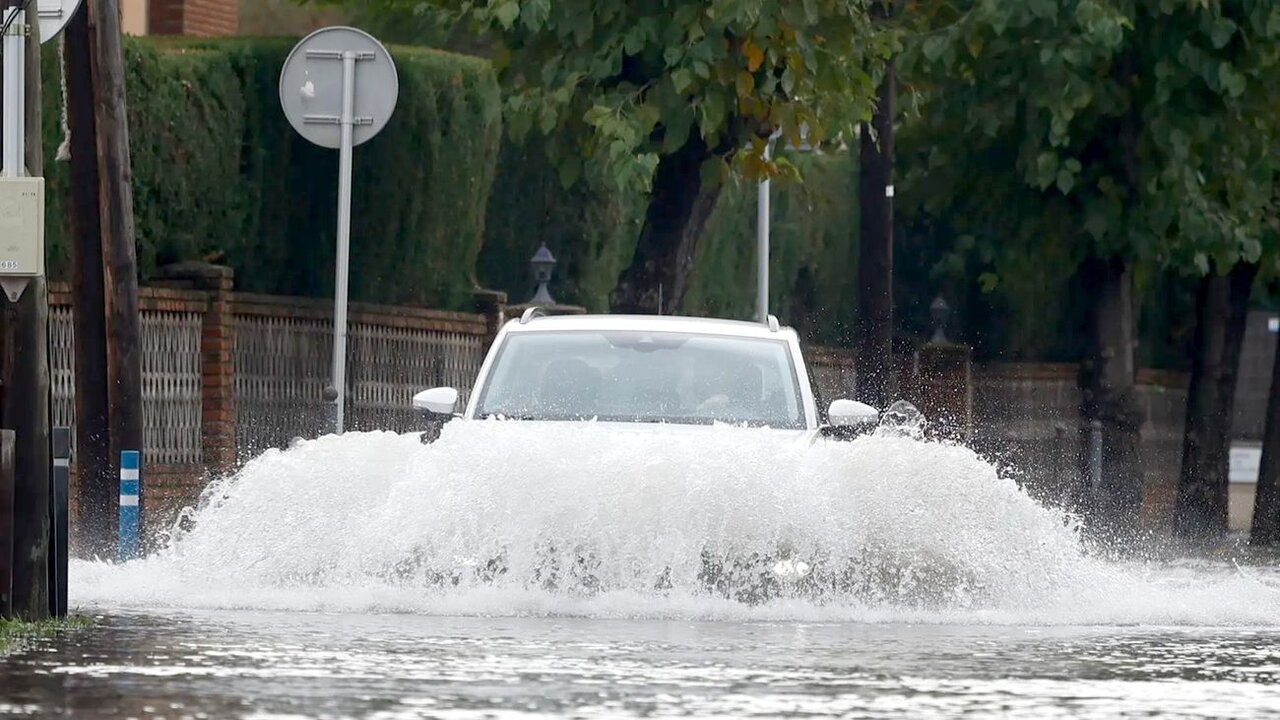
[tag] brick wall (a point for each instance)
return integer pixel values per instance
(1028, 420)
(196, 18)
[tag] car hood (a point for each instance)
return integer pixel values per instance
(804, 435)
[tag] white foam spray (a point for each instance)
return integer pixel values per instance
(514, 518)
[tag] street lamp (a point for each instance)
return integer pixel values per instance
(543, 264)
(939, 311)
(762, 238)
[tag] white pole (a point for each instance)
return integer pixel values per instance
(762, 245)
(344, 234)
(15, 60)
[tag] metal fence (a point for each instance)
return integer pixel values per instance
(171, 398)
(282, 365)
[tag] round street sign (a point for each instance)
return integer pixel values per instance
(311, 86)
(54, 16)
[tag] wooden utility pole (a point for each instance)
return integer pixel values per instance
(875, 366)
(119, 257)
(104, 262)
(1265, 530)
(98, 492)
(7, 480)
(25, 406)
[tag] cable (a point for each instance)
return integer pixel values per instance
(4, 31)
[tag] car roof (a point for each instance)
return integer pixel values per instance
(651, 323)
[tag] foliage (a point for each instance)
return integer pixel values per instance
(630, 82)
(15, 631)
(814, 250)
(589, 227)
(218, 173)
(1057, 129)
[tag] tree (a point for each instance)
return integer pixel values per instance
(1265, 529)
(875, 377)
(671, 97)
(1123, 135)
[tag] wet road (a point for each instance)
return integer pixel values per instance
(240, 664)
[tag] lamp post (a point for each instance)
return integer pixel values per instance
(939, 311)
(543, 264)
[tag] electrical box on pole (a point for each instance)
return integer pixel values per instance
(21, 233)
(339, 88)
(22, 197)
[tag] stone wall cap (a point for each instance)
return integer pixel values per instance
(194, 269)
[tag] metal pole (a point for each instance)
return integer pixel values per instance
(344, 236)
(15, 61)
(762, 242)
(58, 530)
(1095, 456)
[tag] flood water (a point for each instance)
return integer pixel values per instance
(264, 665)
(519, 572)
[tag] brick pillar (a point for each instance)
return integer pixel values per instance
(945, 386)
(194, 18)
(217, 342)
(493, 305)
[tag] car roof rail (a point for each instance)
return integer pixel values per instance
(773, 323)
(533, 312)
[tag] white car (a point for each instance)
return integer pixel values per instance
(648, 371)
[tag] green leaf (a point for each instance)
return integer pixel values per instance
(569, 170)
(1222, 31)
(506, 13)
(713, 115)
(934, 47)
(788, 81)
(676, 128)
(1232, 81)
(682, 79)
(633, 41)
(1043, 8)
(1045, 170)
(1066, 181)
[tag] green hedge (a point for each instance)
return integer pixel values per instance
(218, 173)
(591, 231)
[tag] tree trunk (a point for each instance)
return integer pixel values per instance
(1107, 384)
(1266, 505)
(1222, 307)
(98, 489)
(875, 377)
(679, 207)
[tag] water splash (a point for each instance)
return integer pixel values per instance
(902, 418)
(514, 518)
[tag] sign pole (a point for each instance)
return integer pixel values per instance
(344, 235)
(339, 106)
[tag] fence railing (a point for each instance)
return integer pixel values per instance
(228, 375)
(283, 355)
(171, 376)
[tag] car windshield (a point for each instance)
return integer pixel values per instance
(636, 376)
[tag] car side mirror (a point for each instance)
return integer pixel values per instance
(439, 401)
(852, 414)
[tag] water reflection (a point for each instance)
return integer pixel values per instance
(273, 665)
